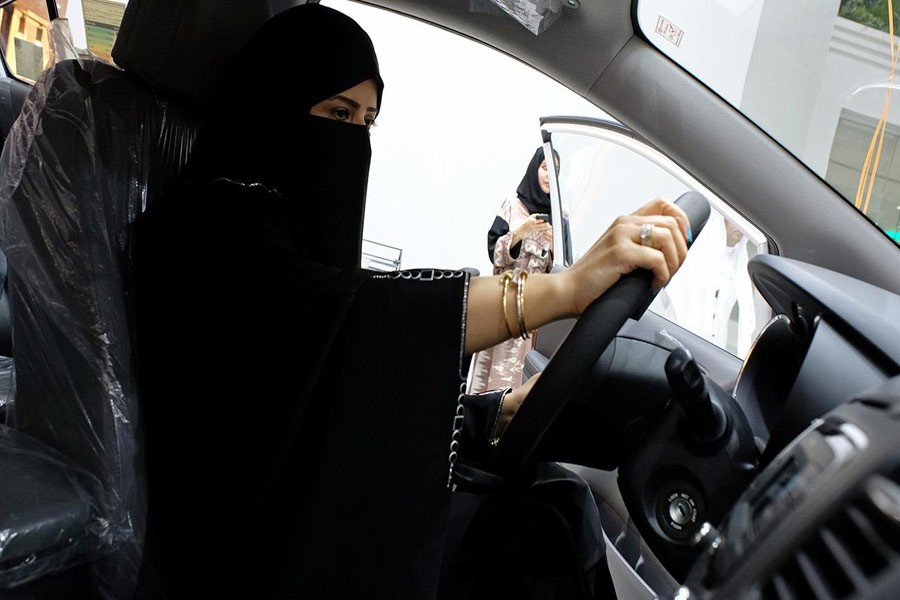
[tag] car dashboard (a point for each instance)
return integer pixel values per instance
(821, 392)
(833, 338)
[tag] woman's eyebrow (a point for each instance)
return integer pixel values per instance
(349, 101)
(353, 103)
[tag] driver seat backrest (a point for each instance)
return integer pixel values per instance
(92, 147)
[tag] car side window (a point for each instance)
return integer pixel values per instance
(94, 24)
(606, 171)
(25, 38)
(25, 32)
(457, 128)
(434, 208)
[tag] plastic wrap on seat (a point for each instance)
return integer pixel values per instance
(91, 148)
(49, 510)
(6, 386)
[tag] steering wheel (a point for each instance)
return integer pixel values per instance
(592, 333)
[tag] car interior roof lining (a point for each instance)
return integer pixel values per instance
(567, 49)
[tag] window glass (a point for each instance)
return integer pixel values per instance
(848, 152)
(445, 158)
(94, 23)
(603, 175)
(816, 76)
(24, 33)
(457, 128)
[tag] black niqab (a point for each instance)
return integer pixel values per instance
(263, 132)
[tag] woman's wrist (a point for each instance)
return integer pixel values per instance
(549, 298)
(566, 287)
(509, 405)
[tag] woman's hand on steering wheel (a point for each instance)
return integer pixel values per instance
(651, 238)
(617, 252)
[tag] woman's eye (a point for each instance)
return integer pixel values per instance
(341, 114)
(371, 124)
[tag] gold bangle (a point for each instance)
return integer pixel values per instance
(505, 279)
(520, 304)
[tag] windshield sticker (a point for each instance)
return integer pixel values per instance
(534, 15)
(101, 25)
(669, 30)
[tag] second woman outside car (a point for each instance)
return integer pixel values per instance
(521, 237)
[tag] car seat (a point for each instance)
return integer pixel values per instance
(93, 147)
(89, 150)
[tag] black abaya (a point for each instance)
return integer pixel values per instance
(294, 442)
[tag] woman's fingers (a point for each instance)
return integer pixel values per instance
(663, 234)
(652, 238)
(671, 228)
(655, 261)
(658, 256)
(661, 249)
(665, 208)
(533, 224)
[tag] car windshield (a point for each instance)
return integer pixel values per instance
(816, 76)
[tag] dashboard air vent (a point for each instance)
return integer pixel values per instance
(844, 558)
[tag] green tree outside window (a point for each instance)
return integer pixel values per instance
(872, 13)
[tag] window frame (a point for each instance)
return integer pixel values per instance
(619, 134)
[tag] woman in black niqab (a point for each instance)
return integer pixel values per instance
(316, 468)
(298, 409)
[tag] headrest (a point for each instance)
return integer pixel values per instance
(182, 47)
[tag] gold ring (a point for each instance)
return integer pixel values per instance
(647, 234)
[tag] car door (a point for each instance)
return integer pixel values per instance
(709, 307)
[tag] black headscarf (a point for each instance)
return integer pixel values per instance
(531, 195)
(529, 190)
(262, 133)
